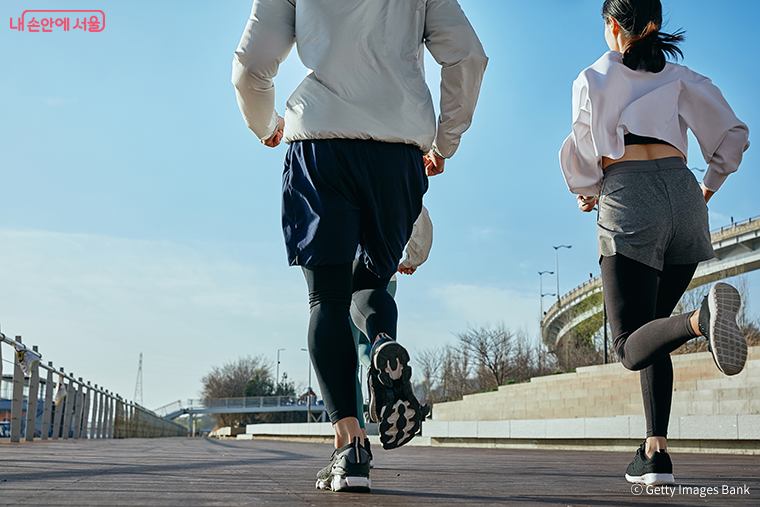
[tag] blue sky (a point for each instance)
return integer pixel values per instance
(140, 215)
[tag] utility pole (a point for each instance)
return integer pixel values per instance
(277, 379)
(556, 266)
(139, 384)
(541, 290)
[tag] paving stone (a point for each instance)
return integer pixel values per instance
(199, 472)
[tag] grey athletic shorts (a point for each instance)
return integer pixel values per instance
(653, 212)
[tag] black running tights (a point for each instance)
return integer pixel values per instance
(335, 291)
(639, 301)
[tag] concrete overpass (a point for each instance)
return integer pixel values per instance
(737, 251)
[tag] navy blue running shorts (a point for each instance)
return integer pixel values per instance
(344, 199)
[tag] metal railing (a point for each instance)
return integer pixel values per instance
(258, 401)
(71, 408)
(734, 224)
(176, 408)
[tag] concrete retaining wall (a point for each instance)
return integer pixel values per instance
(611, 390)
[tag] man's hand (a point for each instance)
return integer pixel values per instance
(277, 136)
(406, 271)
(433, 164)
(587, 204)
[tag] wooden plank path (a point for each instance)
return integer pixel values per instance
(194, 472)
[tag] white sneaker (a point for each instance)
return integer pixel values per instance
(60, 392)
(26, 359)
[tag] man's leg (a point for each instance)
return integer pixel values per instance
(373, 309)
(331, 346)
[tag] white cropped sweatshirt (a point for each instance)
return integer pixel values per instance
(611, 100)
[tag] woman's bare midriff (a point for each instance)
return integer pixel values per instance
(645, 152)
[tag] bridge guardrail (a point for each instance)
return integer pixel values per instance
(70, 408)
(734, 224)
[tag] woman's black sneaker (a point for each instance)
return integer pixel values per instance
(348, 470)
(652, 471)
(717, 323)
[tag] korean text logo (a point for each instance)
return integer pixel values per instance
(45, 21)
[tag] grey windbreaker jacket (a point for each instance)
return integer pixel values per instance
(366, 77)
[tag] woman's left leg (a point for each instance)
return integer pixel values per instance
(657, 379)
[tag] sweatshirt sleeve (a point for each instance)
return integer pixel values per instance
(418, 248)
(268, 38)
(453, 43)
(578, 159)
(722, 138)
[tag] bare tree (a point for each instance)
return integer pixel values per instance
(455, 374)
(231, 379)
(247, 377)
(530, 358)
(491, 348)
(431, 363)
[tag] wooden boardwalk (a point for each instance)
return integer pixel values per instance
(193, 472)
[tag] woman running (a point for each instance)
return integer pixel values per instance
(627, 153)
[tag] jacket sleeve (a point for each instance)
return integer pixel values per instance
(268, 38)
(419, 245)
(577, 158)
(453, 43)
(722, 138)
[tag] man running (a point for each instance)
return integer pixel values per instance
(363, 139)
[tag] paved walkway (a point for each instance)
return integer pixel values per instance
(192, 472)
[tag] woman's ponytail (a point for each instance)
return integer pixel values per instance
(648, 52)
(641, 21)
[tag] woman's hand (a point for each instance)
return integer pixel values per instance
(587, 203)
(707, 193)
(275, 139)
(433, 164)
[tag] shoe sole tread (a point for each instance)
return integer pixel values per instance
(729, 346)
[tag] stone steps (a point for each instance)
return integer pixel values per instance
(700, 389)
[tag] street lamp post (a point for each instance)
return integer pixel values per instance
(277, 379)
(308, 393)
(556, 265)
(541, 288)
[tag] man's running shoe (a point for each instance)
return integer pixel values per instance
(717, 323)
(391, 361)
(348, 469)
(26, 360)
(392, 400)
(369, 452)
(652, 471)
(379, 395)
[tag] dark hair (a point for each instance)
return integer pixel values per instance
(641, 21)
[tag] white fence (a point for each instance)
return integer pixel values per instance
(39, 401)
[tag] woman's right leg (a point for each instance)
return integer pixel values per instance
(630, 294)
